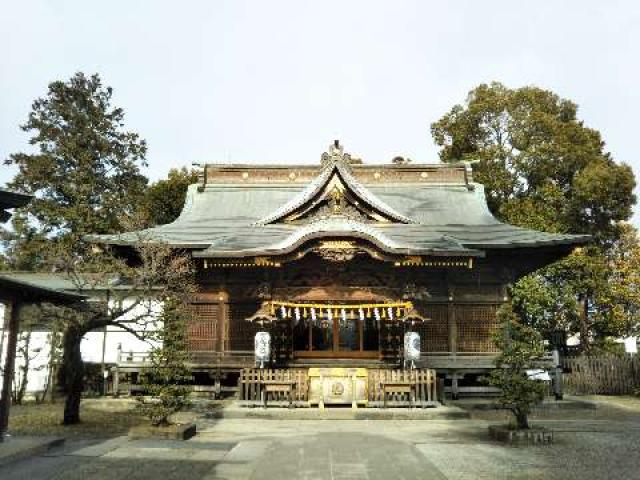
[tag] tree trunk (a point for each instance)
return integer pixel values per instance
(584, 323)
(522, 420)
(23, 372)
(48, 393)
(73, 375)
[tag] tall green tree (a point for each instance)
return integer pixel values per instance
(85, 172)
(164, 199)
(622, 297)
(26, 244)
(532, 152)
(86, 179)
(542, 168)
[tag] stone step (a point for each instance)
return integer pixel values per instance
(442, 412)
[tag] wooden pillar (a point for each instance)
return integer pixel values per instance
(452, 324)
(222, 343)
(9, 365)
(116, 381)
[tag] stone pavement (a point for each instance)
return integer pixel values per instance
(256, 449)
(17, 448)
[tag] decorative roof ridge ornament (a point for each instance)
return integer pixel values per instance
(335, 154)
(336, 179)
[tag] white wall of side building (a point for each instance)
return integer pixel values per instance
(91, 347)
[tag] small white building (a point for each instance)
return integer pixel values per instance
(100, 347)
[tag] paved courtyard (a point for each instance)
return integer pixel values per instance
(348, 449)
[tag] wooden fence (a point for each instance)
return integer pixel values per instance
(608, 375)
(423, 382)
(422, 379)
(251, 383)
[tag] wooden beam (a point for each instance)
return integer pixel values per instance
(9, 365)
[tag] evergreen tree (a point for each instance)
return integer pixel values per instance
(541, 166)
(520, 348)
(164, 199)
(166, 381)
(544, 169)
(85, 174)
(622, 295)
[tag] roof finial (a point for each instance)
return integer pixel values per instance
(335, 154)
(336, 150)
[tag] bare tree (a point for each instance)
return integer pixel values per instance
(126, 293)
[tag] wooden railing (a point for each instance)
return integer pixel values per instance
(133, 358)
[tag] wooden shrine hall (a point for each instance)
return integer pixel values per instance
(338, 262)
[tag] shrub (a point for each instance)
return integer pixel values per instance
(166, 381)
(520, 347)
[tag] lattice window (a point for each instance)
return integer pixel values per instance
(241, 332)
(476, 325)
(202, 329)
(434, 334)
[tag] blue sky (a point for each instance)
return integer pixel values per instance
(276, 81)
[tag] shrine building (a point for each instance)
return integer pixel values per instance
(337, 261)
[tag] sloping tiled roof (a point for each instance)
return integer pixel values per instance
(9, 199)
(318, 183)
(39, 286)
(239, 218)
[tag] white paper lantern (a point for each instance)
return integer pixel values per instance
(412, 346)
(262, 345)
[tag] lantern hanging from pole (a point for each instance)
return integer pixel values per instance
(411, 348)
(262, 348)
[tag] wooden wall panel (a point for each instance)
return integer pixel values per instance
(202, 329)
(476, 325)
(241, 332)
(434, 334)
